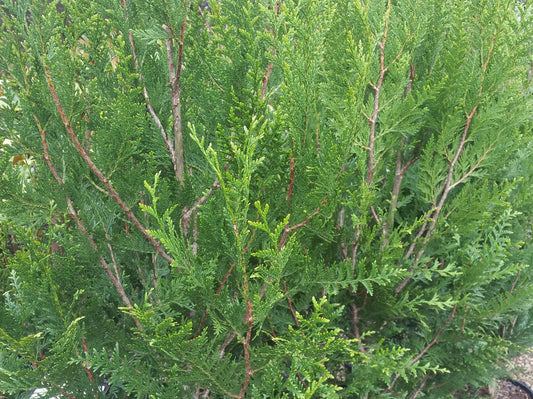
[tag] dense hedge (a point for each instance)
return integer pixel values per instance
(310, 199)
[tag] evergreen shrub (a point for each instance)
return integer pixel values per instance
(264, 199)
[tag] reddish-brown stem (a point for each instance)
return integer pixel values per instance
(86, 365)
(513, 286)
(267, 77)
(290, 305)
(420, 387)
(434, 340)
(188, 212)
(246, 344)
(465, 176)
(46, 153)
(79, 222)
(409, 87)
(158, 123)
(271, 64)
(291, 181)
(514, 283)
(151, 110)
(288, 229)
(110, 190)
(219, 290)
(427, 347)
(399, 174)
(231, 336)
(429, 225)
(377, 92)
(355, 321)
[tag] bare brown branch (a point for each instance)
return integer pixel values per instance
(174, 72)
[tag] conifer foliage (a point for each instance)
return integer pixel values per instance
(264, 199)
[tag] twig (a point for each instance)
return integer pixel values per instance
(248, 372)
(219, 290)
(111, 191)
(290, 305)
(409, 87)
(187, 212)
(377, 91)
(175, 92)
(434, 341)
(291, 181)
(231, 336)
(115, 267)
(87, 364)
(399, 174)
(288, 229)
(271, 64)
(427, 347)
(151, 110)
(46, 152)
(429, 225)
(513, 286)
(79, 222)
(465, 176)
(158, 123)
(420, 387)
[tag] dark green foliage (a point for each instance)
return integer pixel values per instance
(352, 216)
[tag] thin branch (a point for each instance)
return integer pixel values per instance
(87, 364)
(248, 318)
(427, 347)
(188, 212)
(219, 290)
(374, 214)
(434, 341)
(291, 181)
(377, 91)
(193, 211)
(267, 77)
(409, 87)
(399, 174)
(465, 176)
(46, 152)
(429, 225)
(115, 267)
(355, 321)
(271, 64)
(290, 305)
(231, 336)
(151, 110)
(111, 191)
(438, 203)
(175, 92)
(288, 229)
(420, 387)
(79, 222)
(158, 123)
(513, 286)
(355, 245)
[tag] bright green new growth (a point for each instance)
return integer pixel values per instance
(264, 199)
